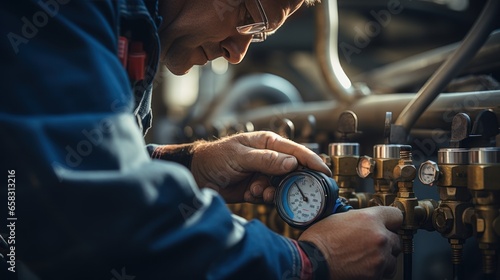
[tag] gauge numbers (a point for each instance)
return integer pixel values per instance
(303, 199)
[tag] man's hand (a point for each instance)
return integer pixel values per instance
(238, 167)
(359, 244)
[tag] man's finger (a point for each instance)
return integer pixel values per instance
(258, 184)
(269, 194)
(267, 162)
(274, 142)
(392, 217)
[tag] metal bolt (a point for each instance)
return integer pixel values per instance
(443, 219)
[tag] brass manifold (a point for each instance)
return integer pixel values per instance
(416, 214)
(484, 184)
(342, 161)
(453, 216)
(469, 202)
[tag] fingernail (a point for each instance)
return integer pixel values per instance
(289, 163)
(257, 190)
(247, 196)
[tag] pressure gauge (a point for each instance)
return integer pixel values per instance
(304, 197)
(428, 173)
(365, 166)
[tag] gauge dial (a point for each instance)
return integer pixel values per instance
(428, 173)
(365, 166)
(304, 197)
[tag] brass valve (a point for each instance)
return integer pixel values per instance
(443, 219)
(381, 168)
(344, 158)
(451, 217)
(484, 184)
(417, 214)
(455, 199)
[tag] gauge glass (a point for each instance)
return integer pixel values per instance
(303, 199)
(428, 172)
(365, 167)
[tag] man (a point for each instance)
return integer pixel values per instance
(86, 199)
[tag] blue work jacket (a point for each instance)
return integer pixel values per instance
(81, 198)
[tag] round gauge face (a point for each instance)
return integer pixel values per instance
(365, 167)
(428, 172)
(302, 199)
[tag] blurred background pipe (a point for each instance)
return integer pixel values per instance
(475, 38)
(327, 52)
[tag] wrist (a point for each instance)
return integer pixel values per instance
(182, 153)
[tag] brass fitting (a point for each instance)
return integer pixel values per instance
(344, 165)
(484, 184)
(404, 172)
(343, 160)
(385, 158)
(450, 218)
(484, 178)
(384, 168)
(443, 219)
(383, 182)
(453, 175)
(417, 214)
(344, 172)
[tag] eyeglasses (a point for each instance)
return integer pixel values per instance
(257, 29)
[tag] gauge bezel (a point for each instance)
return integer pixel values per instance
(327, 196)
(435, 175)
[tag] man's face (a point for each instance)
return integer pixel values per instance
(196, 31)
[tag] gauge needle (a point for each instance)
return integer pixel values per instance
(301, 193)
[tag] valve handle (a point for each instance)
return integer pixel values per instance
(460, 128)
(347, 124)
(486, 124)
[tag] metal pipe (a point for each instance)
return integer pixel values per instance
(407, 267)
(327, 52)
(370, 111)
(475, 38)
(416, 70)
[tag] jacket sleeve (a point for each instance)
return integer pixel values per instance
(89, 201)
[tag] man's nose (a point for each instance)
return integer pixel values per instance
(235, 47)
